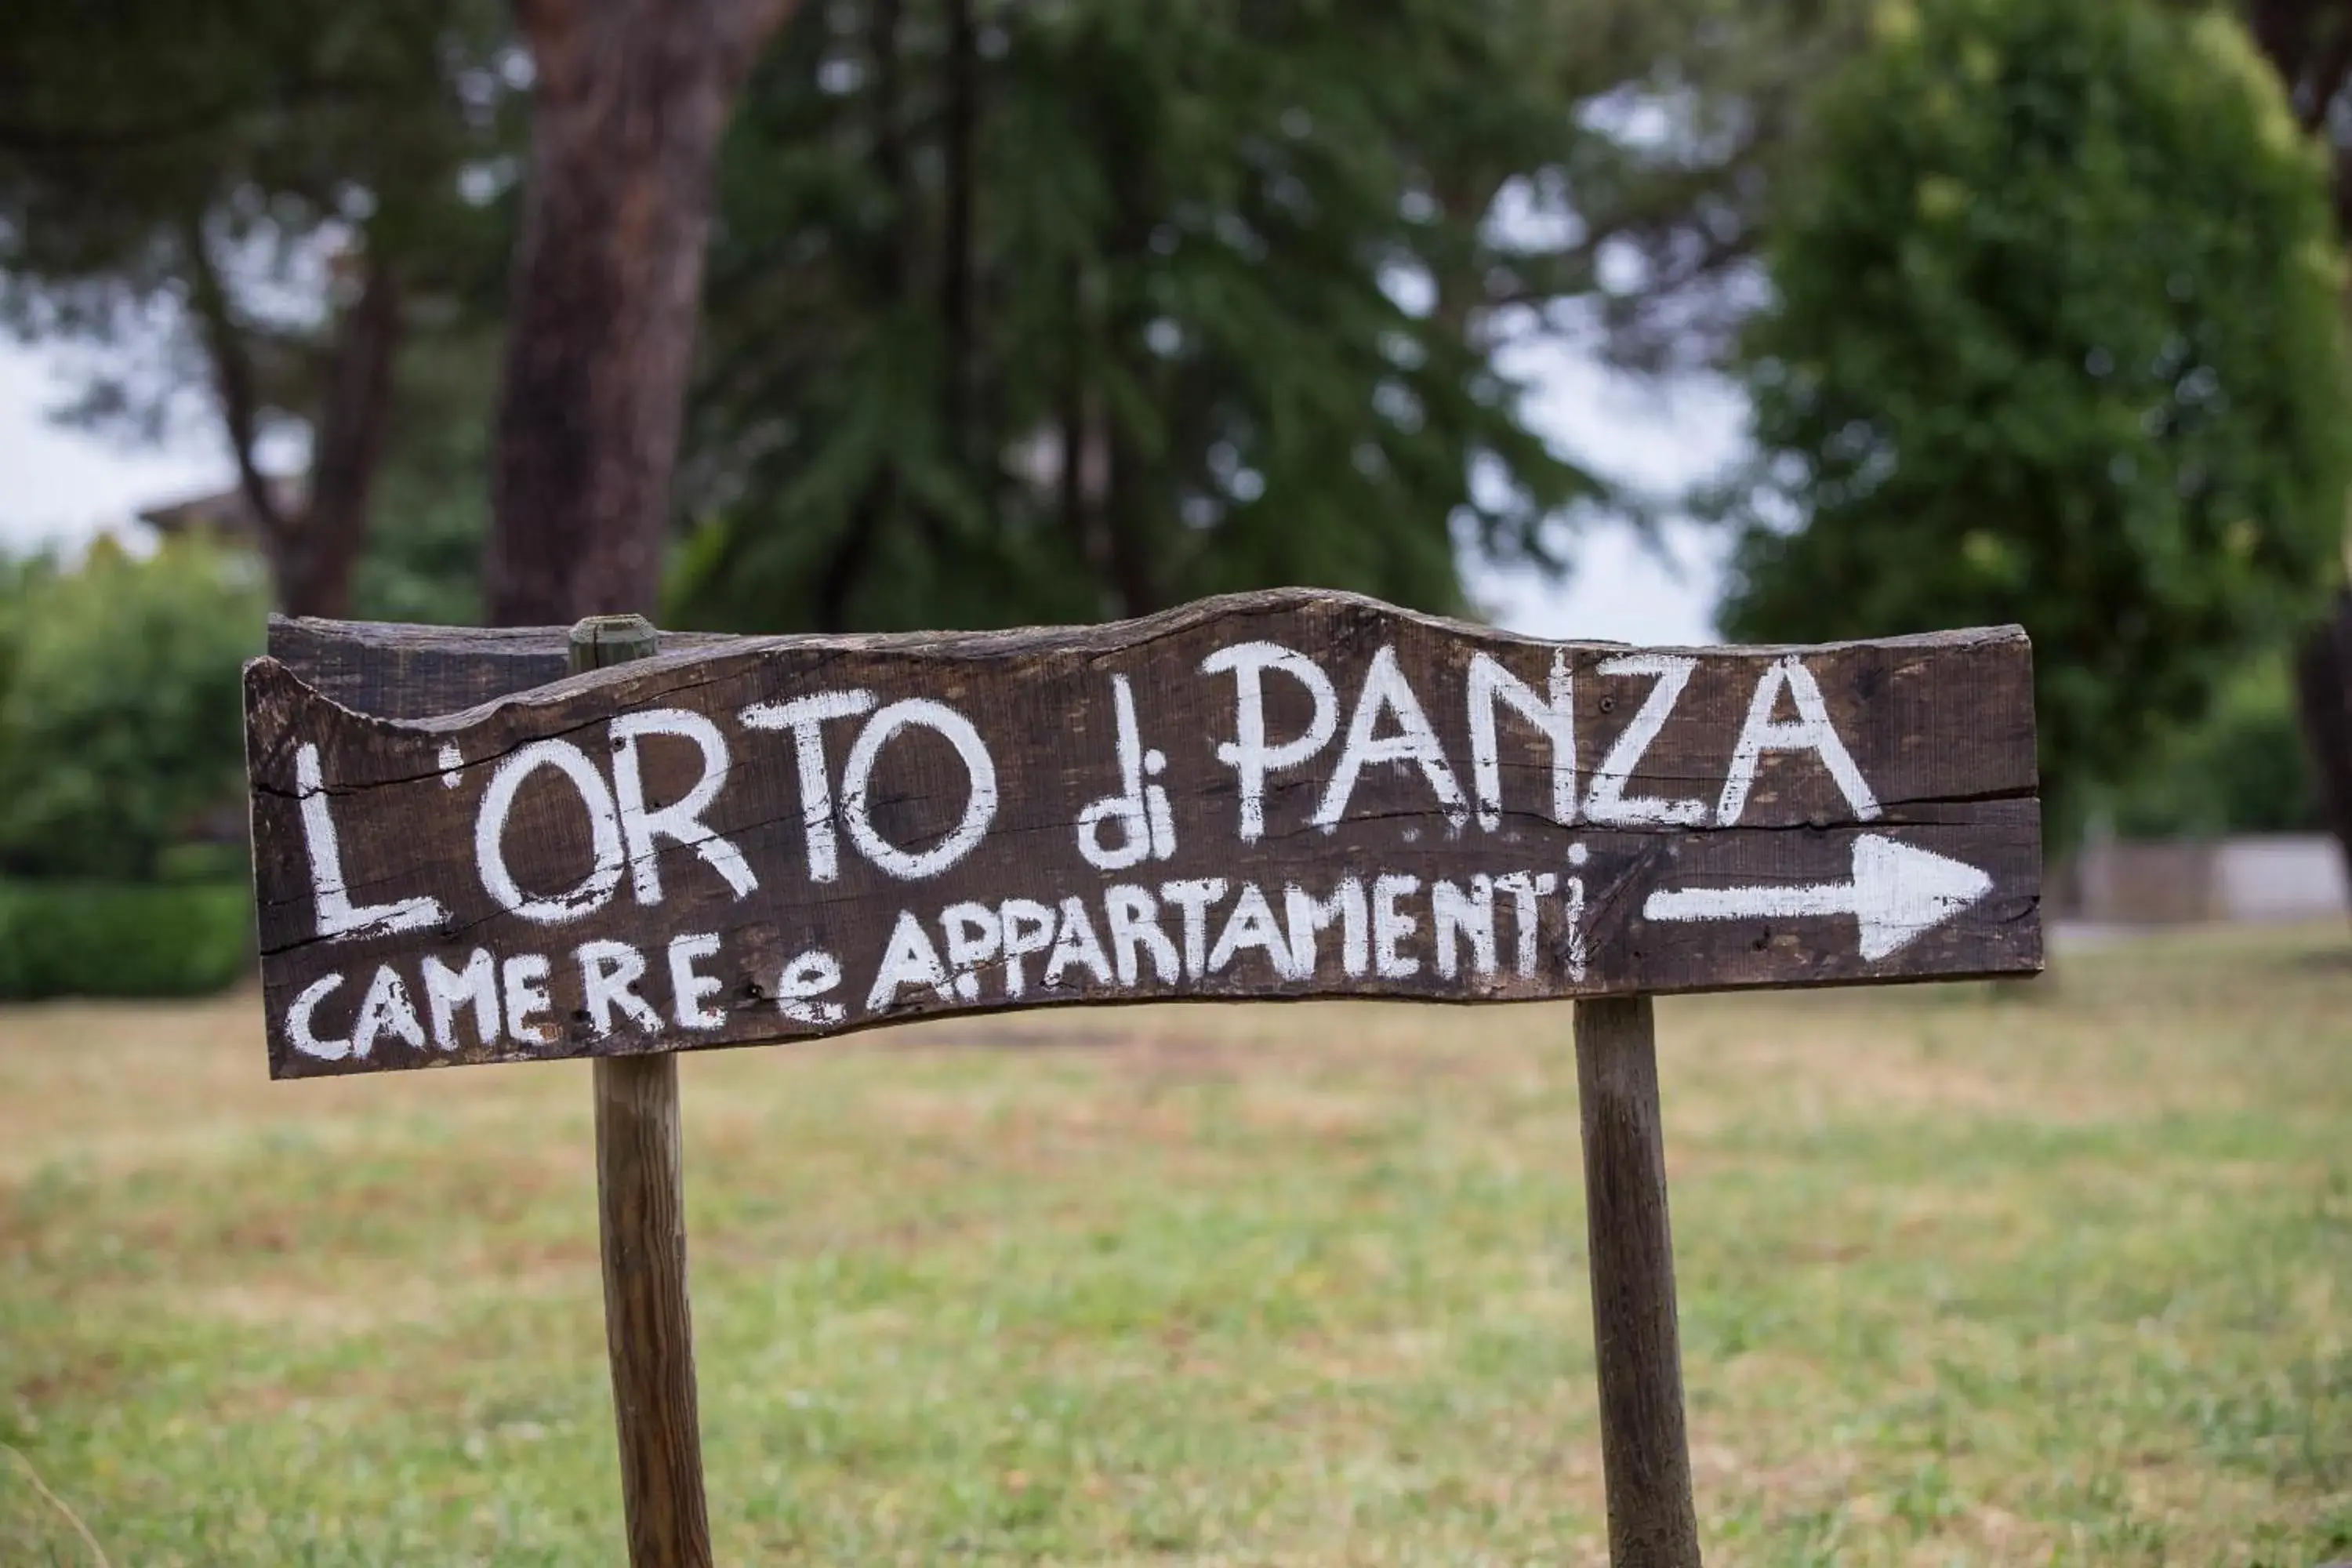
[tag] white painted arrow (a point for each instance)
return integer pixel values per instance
(1898, 893)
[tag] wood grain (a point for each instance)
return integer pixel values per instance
(1644, 1453)
(641, 1227)
(1938, 728)
(421, 673)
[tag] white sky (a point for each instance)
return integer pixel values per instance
(1658, 438)
(64, 486)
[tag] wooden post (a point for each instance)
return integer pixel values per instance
(1644, 1453)
(640, 1217)
(1076, 754)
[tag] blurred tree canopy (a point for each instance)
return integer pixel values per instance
(2055, 339)
(2240, 768)
(432, 505)
(2309, 42)
(1052, 311)
(286, 193)
(1248, 263)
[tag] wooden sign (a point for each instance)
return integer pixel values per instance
(1270, 796)
(1280, 794)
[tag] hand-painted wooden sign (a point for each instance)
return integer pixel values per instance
(1268, 795)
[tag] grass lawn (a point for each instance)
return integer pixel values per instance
(2058, 1274)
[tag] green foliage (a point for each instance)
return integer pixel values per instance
(2055, 341)
(1054, 312)
(135, 141)
(956, 239)
(1187, 227)
(99, 939)
(121, 708)
(2240, 768)
(422, 559)
(2057, 1280)
(253, 207)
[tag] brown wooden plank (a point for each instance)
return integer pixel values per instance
(1917, 762)
(417, 672)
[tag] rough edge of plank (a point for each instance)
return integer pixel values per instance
(302, 645)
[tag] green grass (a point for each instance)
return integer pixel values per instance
(2050, 1274)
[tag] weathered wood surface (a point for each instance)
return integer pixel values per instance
(422, 672)
(641, 1230)
(1315, 794)
(1637, 1345)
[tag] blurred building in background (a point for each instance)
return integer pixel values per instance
(2245, 877)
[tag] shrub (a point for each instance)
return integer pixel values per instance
(96, 939)
(2241, 769)
(120, 707)
(2057, 340)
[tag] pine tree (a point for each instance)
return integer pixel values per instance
(1054, 312)
(198, 165)
(2056, 340)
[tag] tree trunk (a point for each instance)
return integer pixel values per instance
(878, 508)
(958, 262)
(319, 546)
(312, 547)
(2324, 693)
(2309, 44)
(234, 380)
(631, 99)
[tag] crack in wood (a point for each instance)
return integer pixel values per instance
(1417, 861)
